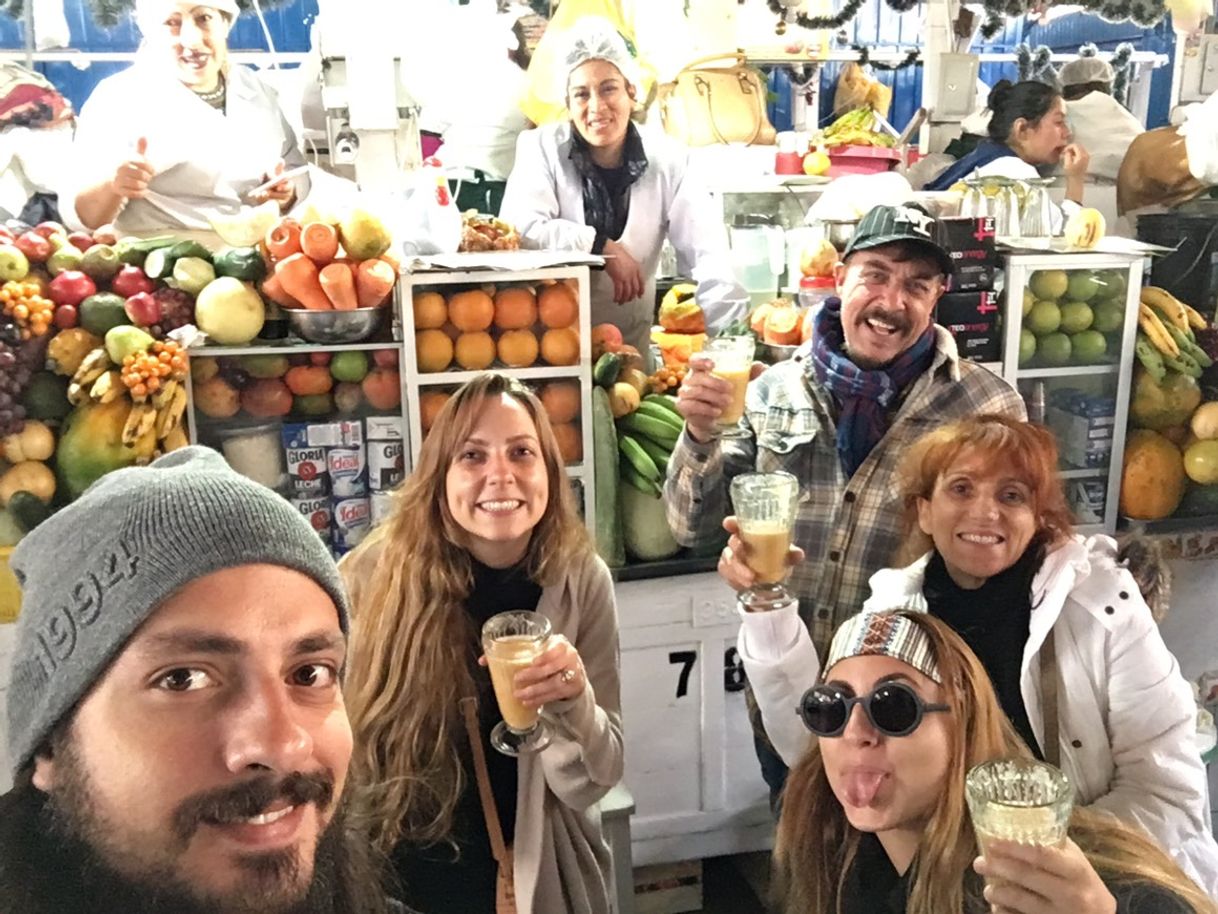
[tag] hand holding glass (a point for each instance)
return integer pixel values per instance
(731, 359)
(765, 506)
(511, 642)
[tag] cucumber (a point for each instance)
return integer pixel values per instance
(159, 263)
(609, 543)
(189, 249)
(133, 251)
(607, 369)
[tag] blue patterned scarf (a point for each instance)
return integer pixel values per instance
(863, 395)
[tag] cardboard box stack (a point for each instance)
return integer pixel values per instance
(970, 309)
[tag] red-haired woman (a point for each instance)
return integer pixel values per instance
(1046, 611)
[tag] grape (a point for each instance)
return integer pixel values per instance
(18, 362)
(177, 308)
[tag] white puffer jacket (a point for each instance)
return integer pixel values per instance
(1127, 718)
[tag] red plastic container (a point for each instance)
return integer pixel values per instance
(861, 160)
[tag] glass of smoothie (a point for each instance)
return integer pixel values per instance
(765, 505)
(1019, 800)
(511, 641)
(732, 360)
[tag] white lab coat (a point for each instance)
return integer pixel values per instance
(1127, 717)
(206, 160)
(545, 201)
(1105, 128)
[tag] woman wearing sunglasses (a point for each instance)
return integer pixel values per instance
(1047, 613)
(874, 819)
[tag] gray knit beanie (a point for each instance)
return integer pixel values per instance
(94, 571)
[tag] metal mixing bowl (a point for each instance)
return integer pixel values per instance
(335, 326)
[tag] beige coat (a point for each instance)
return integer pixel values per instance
(562, 863)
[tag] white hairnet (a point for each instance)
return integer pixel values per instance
(595, 38)
(1086, 70)
(150, 13)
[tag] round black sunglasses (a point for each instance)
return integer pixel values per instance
(893, 708)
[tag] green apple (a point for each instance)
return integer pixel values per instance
(349, 366)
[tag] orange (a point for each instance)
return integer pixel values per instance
(558, 306)
(561, 400)
(515, 308)
(430, 312)
(517, 348)
(430, 404)
(433, 349)
(471, 311)
(570, 442)
(560, 346)
(475, 351)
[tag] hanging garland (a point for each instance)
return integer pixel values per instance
(910, 59)
(1122, 65)
(1035, 65)
(1144, 13)
(109, 13)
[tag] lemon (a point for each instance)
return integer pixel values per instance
(816, 163)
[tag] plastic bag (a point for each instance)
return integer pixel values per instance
(430, 221)
(855, 89)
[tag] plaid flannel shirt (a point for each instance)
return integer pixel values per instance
(848, 528)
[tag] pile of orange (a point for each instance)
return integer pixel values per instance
(474, 328)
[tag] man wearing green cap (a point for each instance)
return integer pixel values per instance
(877, 375)
(175, 718)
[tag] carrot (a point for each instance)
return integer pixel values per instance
(298, 277)
(273, 289)
(319, 242)
(339, 286)
(283, 239)
(374, 281)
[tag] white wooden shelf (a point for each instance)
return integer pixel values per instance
(1067, 371)
(290, 347)
(535, 373)
(1083, 473)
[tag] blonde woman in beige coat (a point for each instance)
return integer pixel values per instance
(485, 524)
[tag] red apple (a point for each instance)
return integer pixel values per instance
(71, 287)
(319, 358)
(143, 309)
(82, 241)
(66, 317)
(47, 229)
(130, 280)
(7, 234)
(385, 358)
(36, 248)
(105, 235)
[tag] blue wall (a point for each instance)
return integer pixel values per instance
(288, 23)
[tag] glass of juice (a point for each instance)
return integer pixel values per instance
(1019, 800)
(732, 360)
(765, 506)
(511, 641)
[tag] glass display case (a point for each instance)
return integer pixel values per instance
(1068, 347)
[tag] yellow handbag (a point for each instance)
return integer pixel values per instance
(706, 105)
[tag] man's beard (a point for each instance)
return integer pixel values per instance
(149, 882)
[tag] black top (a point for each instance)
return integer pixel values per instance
(607, 190)
(993, 621)
(435, 880)
(873, 886)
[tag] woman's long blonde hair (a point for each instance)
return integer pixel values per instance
(816, 845)
(412, 640)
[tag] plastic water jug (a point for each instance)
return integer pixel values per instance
(758, 255)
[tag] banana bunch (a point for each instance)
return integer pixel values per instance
(97, 379)
(1167, 325)
(645, 441)
(160, 413)
(857, 128)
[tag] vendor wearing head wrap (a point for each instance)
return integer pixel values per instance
(1101, 124)
(596, 183)
(183, 134)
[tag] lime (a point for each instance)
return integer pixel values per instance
(1083, 285)
(349, 366)
(1109, 315)
(1201, 462)
(1045, 317)
(1054, 348)
(1088, 347)
(1076, 316)
(1027, 346)
(1113, 283)
(1028, 301)
(1049, 284)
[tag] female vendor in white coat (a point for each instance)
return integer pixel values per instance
(595, 183)
(182, 134)
(1043, 610)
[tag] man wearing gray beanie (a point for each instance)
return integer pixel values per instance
(176, 721)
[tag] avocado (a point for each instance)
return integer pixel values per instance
(47, 397)
(102, 311)
(264, 366)
(313, 405)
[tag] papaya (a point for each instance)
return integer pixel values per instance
(1152, 480)
(91, 445)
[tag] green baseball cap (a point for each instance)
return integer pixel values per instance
(907, 224)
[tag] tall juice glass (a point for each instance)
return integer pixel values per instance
(765, 505)
(1019, 800)
(511, 641)
(732, 360)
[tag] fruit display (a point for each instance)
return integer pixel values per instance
(297, 385)
(509, 326)
(859, 127)
(781, 323)
(480, 232)
(1072, 317)
(681, 331)
(1171, 457)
